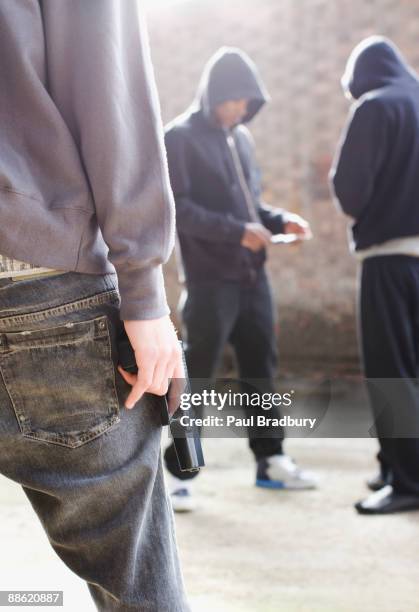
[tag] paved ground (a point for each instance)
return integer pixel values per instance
(251, 550)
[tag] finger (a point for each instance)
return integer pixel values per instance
(302, 222)
(305, 233)
(253, 245)
(144, 379)
(265, 239)
(263, 232)
(161, 375)
(136, 394)
(178, 385)
(295, 228)
(169, 359)
(129, 377)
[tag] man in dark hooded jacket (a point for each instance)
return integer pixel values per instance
(223, 229)
(376, 181)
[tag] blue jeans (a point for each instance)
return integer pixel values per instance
(91, 469)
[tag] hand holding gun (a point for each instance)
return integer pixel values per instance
(186, 438)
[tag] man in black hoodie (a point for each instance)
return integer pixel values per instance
(376, 181)
(223, 229)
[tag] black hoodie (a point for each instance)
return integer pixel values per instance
(376, 169)
(211, 209)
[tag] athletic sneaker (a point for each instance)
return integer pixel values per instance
(180, 493)
(280, 472)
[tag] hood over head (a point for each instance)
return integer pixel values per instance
(374, 63)
(231, 75)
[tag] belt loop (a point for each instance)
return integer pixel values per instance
(3, 343)
(5, 281)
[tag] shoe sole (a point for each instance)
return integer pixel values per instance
(187, 507)
(277, 484)
(270, 484)
(372, 511)
(183, 510)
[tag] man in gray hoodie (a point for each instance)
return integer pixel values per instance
(85, 206)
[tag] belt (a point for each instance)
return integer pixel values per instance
(31, 276)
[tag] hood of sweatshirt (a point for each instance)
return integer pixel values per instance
(230, 75)
(374, 63)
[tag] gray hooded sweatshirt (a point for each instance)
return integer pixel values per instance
(83, 178)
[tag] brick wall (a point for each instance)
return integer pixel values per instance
(300, 47)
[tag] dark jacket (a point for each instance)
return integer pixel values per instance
(211, 209)
(375, 174)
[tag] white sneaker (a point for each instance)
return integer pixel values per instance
(280, 472)
(180, 493)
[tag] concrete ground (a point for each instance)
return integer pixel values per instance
(253, 550)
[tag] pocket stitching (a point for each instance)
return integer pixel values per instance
(111, 296)
(20, 417)
(80, 438)
(40, 346)
(77, 438)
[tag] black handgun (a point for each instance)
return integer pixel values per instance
(186, 438)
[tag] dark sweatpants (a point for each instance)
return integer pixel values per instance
(215, 313)
(389, 309)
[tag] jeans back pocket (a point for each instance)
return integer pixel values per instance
(61, 381)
